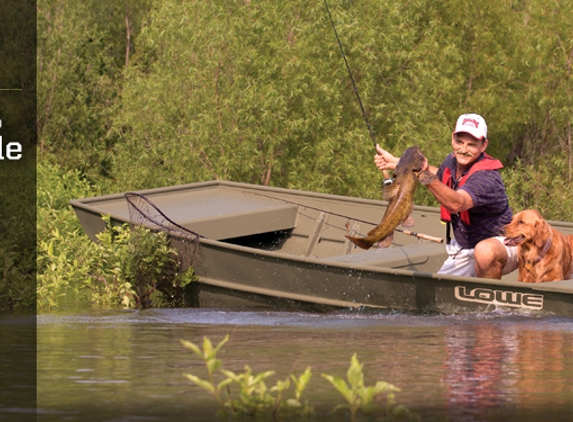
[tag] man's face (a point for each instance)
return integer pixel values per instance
(467, 148)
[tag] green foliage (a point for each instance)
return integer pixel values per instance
(82, 49)
(300, 385)
(256, 399)
(113, 271)
(18, 76)
(361, 398)
(16, 279)
(258, 92)
(63, 250)
(254, 396)
(55, 188)
(209, 356)
(544, 185)
(131, 268)
(18, 240)
(246, 96)
(17, 177)
(109, 281)
(138, 266)
(60, 266)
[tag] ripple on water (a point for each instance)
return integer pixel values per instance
(338, 319)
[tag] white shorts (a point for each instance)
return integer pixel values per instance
(461, 262)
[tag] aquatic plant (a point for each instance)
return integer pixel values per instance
(254, 398)
(208, 354)
(361, 398)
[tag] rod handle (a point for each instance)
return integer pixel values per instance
(424, 236)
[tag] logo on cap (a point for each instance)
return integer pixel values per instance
(472, 121)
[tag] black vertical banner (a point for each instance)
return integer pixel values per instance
(17, 210)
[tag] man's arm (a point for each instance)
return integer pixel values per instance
(454, 201)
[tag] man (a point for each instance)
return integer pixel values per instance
(473, 202)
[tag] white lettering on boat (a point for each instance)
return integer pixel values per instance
(499, 297)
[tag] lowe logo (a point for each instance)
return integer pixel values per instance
(499, 297)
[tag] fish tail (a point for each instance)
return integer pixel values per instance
(363, 243)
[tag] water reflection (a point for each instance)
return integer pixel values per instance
(467, 368)
(497, 370)
(476, 369)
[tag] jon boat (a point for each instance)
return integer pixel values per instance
(274, 247)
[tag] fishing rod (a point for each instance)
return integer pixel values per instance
(407, 232)
(387, 179)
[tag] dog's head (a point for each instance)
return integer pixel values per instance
(526, 227)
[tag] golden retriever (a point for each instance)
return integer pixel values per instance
(544, 254)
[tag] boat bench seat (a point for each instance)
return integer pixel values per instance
(228, 216)
(409, 256)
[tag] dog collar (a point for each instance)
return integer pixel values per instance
(529, 264)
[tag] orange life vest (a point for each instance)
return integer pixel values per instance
(486, 163)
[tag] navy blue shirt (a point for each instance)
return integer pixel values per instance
(491, 208)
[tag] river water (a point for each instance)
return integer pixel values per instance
(117, 365)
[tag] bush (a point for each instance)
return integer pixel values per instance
(131, 268)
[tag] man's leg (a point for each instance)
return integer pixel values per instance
(491, 258)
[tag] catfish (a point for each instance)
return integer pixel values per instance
(400, 197)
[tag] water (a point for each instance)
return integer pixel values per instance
(129, 365)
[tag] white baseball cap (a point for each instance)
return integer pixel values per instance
(473, 124)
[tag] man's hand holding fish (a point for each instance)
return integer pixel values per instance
(386, 161)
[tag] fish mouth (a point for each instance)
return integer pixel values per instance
(514, 241)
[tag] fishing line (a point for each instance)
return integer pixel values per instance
(350, 74)
(387, 179)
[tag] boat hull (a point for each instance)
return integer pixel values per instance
(311, 284)
(272, 247)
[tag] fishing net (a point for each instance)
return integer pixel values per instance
(152, 268)
(144, 212)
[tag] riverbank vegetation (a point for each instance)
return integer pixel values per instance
(18, 240)
(145, 94)
(132, 267)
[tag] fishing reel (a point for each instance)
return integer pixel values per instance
(388, 180)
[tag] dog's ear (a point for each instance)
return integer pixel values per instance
(542, 233)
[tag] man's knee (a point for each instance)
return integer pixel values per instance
(490, 257)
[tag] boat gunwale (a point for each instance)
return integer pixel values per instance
(89, 202)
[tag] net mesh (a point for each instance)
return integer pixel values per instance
(143, 213)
